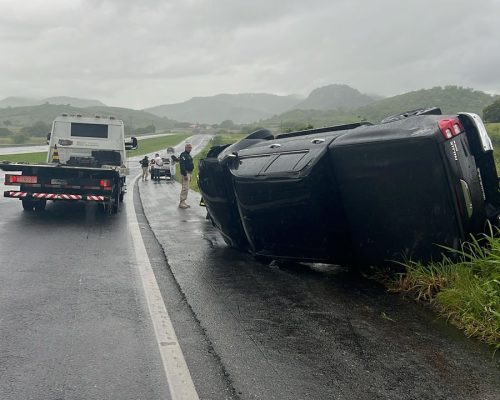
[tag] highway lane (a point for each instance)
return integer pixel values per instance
(74, 319)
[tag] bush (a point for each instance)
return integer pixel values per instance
(492, 112)
(20, 138)
(5, 132)
(39, 129)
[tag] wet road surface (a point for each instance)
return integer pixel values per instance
(74, 319)
(74, 323)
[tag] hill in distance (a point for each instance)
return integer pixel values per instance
(451, 99)
(335, 97)
(251, 107)
(27, 116)
(58, 100)
(240, 108)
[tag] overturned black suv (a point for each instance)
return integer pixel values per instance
(358, 193)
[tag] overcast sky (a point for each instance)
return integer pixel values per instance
(138, 54)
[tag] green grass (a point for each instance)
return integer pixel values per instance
(494, 133)
(146, 146)
(30, 141)
(149, 146)
(466, 292)
(33, 158)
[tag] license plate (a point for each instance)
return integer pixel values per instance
(58, 182)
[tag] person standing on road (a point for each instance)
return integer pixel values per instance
(156, 167)
(186, 165)
(145, 168)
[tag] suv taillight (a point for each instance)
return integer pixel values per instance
(450, 127)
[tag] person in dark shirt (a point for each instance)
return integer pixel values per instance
(145, 168)
(186, 165)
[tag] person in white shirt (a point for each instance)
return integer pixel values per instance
(156, 167)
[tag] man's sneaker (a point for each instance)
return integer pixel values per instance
(183, 205)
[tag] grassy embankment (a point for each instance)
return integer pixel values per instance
(146, 146)
(30, 141)
(466, 292)
(150, 146)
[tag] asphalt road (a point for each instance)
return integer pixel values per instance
(73, 320)
(74, 317)
(75, 324)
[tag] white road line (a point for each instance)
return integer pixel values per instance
(179, 379)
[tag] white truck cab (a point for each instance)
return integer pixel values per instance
(89, 141)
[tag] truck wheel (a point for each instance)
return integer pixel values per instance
(27, 205)
(115, 204)
(40, 205)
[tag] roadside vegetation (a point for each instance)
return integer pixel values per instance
(33, 158)
(494, 133)
(146, 146)
(150, 146)
(465, 290)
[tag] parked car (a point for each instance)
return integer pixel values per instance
(358, 193)
(167, 170)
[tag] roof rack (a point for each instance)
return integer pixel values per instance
(412, 113)
(325, 129)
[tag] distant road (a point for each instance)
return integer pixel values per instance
(44, 147)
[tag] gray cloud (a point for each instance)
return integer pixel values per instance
(156, 52)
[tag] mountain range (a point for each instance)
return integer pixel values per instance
(29, 115)
(59, 100)
(247, 108)
(241, 108)
(328, 105)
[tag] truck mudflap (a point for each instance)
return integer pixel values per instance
(54, 196)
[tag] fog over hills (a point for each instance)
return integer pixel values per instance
(57, 100)
(239, 108)
(29, 115)
(450, 99)
(252, 107)
(329, 104)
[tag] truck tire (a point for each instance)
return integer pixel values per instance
(115, 203)
(27, 204)
(40, 205)
(122, 189)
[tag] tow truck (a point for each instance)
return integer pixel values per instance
(85, 162)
